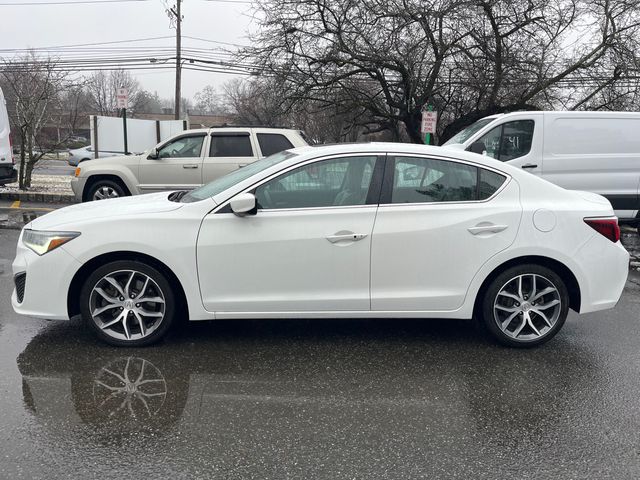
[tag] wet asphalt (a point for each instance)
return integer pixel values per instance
(334, 399)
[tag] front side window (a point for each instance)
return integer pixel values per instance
(507, 141)
(336, 182)
(271, 143)
(183, 147)
(230, 145)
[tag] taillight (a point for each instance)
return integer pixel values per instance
(607, 227)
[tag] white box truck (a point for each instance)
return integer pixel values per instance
(8, 172)
(592, 151)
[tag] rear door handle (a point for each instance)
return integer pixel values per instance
(190, 165)
(343, 237)
(486, 228)
(530, 165)
(240, 165)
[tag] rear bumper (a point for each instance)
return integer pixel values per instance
(8, 174)
(605, 267)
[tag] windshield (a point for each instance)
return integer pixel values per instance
(463, 135)
(219, 185)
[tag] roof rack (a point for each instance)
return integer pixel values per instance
(228, 125)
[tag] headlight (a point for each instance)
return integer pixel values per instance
(42, 242)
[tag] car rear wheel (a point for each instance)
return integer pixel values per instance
(104, 189)
(525, 306)
(128, 303)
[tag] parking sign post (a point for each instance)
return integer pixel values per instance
(122, 99)
(428, 125)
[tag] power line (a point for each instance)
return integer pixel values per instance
(79, 2)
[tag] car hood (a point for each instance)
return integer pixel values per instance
(117, 207)
(123, 159)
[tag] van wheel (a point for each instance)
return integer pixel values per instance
(525, 306)
(105, 189)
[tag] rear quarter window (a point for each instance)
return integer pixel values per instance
(271, 143)
(490, 183)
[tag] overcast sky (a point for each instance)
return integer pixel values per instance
(56, 25)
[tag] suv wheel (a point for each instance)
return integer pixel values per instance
(525, 306)
(104, 189)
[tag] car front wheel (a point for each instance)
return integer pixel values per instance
(525, 306)
(128, 303)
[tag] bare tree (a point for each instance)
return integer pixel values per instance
(467, 58)
(35, 88)
(209, 102)
(103, 86)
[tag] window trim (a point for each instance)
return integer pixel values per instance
(373, 195)
(387, 183)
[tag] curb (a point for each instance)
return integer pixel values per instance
(38, 197)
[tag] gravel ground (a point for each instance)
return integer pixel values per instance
(58, 184)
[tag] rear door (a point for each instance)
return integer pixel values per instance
(6, 155)
(439, 220)
(228, 151)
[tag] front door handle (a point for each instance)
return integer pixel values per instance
(486, 229)
(346, 236)
(530, 165)
(190, 165)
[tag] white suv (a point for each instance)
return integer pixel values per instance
(185, 161)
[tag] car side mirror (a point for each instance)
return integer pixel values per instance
(244, 204)
(477, 147)
(154, 155)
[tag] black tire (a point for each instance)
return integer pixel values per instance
(98, 185)
(489, 316)
(161, 284)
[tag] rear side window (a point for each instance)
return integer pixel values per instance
(424, 180)
(230, 145)
(490, 183)
(271, 143)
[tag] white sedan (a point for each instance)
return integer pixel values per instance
(362, 230)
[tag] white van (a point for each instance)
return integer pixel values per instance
(594, 151)
(8, 172)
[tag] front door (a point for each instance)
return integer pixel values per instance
(178, 166)
(518, 141)
(438, 222)
(307, 249)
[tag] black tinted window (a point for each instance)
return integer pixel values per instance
(271, 143)
(490, 182)
(423, 180)
(230, 146)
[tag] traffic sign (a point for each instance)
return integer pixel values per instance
(122, 98)
(429, 120)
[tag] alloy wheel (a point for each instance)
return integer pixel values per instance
(105, 192)
(127, 305)
(527, 307)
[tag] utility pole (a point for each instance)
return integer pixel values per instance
(175, 13)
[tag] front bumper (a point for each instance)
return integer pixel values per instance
(77, 186)
(47, 283)
(8, 175)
